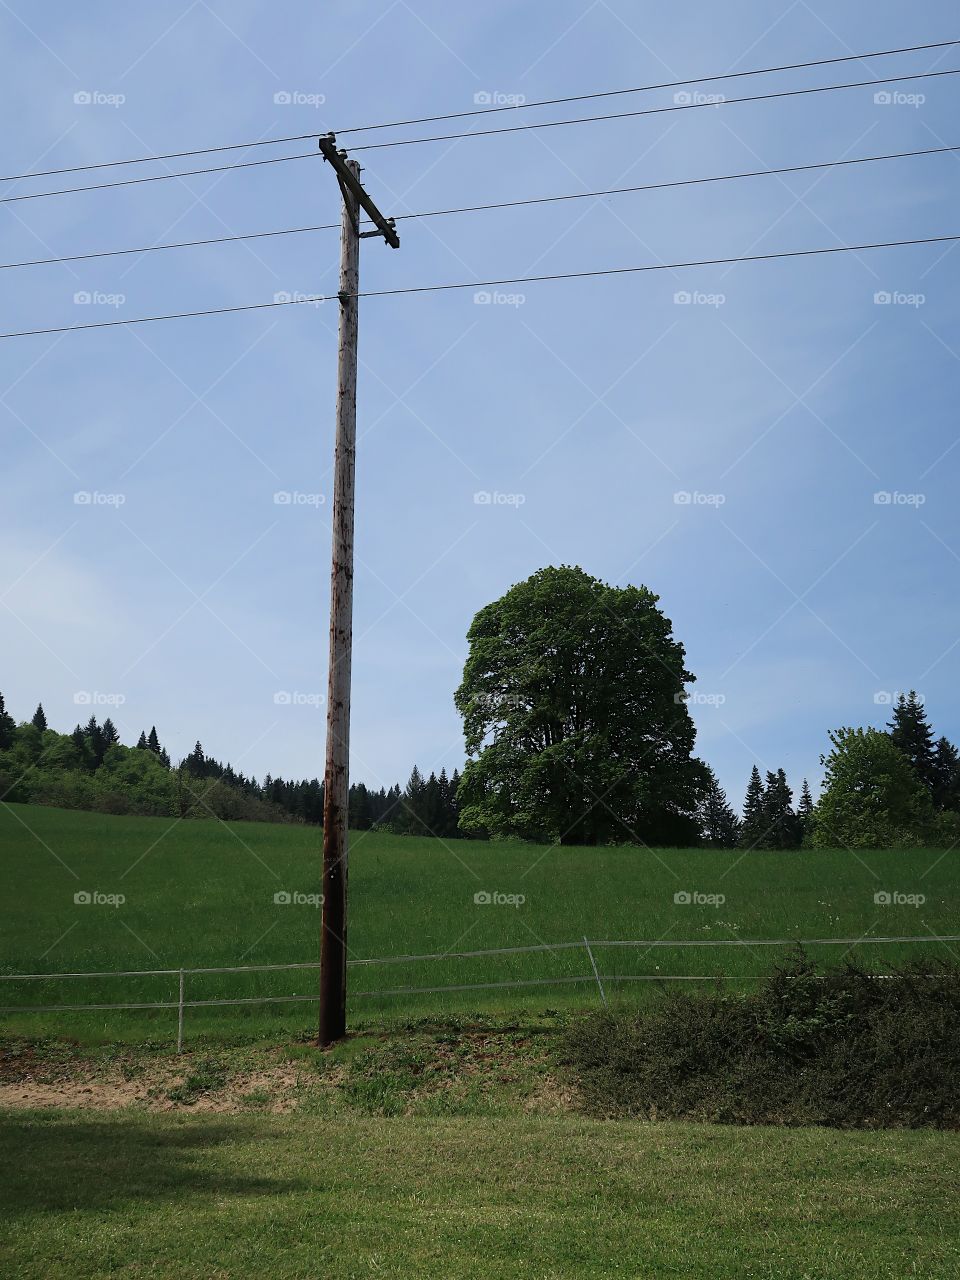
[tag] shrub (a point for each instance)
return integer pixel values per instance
(845, 1048)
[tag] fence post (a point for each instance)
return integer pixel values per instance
(180, 1017)
(593, 965)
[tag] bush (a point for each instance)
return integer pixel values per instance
(845, 1048)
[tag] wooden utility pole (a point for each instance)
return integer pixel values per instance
(333, 927)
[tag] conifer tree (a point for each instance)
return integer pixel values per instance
(781, 823)
(805, 809)
(7, 726)
(753, 828)
(109, 731)
(142, 742)
(719, 825)
(911, 733)
(153, 742)
(95, 743)
(39, 720)
(946, 774)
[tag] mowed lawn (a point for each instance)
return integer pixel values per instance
(203, 894)
(88, 1195)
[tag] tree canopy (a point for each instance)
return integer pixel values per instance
(575, 718)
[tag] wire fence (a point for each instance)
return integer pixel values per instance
(586, 945)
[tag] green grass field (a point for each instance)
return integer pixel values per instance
(202, 894)
(91, 1195)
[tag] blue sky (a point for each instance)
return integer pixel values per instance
(784, 398)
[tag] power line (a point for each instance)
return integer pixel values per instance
(482, 133)
(490, 110)
(159, 177)
(489, 284)
(647, 88)
(649, 111)
(501, 204)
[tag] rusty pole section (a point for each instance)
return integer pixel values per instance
(333, 924)
(333, 927)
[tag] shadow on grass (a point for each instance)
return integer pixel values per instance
(53, 1162)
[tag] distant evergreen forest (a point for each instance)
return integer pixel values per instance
(91, 769)
(882, 789)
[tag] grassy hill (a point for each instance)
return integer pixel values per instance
(203, 894)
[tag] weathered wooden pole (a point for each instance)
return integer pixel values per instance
(333, 924)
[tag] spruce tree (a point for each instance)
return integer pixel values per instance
(95, 743)
(142, 742)
(719, 825)
(410, 817)
(153, 742)
(753, 828)
(911, 732)
(805, 809)
(946, 773)
(39, 720)
(782, 826)
(7, 727)
(109, 731)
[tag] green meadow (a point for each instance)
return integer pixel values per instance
(203, 894)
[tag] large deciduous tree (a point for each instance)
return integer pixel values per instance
(575, 717)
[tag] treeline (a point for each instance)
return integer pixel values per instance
(891, 788)
(90, 768)
(884, 788)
